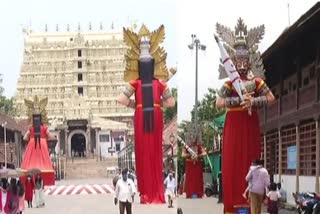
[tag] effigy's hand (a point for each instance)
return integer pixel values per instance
(247, 102)
(194, 157)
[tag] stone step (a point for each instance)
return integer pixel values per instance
(88, 168)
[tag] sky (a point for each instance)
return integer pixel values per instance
(16, 14)
(180, 17)
(200, 17)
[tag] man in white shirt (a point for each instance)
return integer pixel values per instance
(170, 183)
(125, 191)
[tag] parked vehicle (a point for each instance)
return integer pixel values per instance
(307, 202)
(211, 189)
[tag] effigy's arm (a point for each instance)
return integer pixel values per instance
(265, 97)
(167, 98)
(50, 136)
(124, 97)
(224, 98)
(26, 136)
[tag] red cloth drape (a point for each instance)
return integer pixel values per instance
(148, 147)
(194, 178)
(241, 145)
(37, 156)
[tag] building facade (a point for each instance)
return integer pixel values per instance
(10, 142)
(81, 73)
(290, 132)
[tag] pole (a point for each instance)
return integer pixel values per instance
(196, 92)
(5, 144)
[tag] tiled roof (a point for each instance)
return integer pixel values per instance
(11, 122)
(170, 128)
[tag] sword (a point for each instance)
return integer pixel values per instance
(193, 153)
(232, 72)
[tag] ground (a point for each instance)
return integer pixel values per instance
(207, 206)
(92, 203)
(103, 203)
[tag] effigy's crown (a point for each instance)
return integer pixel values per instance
(145, 44)
(242, 43)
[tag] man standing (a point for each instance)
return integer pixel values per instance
(260, 181)
(170, 183)
(125, 191)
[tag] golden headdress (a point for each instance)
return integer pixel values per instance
(244, 43)
(37, 107)
(133, 41)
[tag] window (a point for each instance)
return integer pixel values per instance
(79, 53)
(272, 144)
(294, 87)
(79, 64)
(305, 81)
(80, 91)
(118, 147)
(308, 148)
(290, 86)
(104, 138)
(120, 138)
(312, 73)
(288, 138)
(80, 77)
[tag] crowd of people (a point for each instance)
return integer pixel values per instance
(14, 193)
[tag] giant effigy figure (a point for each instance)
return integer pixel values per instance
(145, 68)
(193, 152)
(242, 95)
(36, 155)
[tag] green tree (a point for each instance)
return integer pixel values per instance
(6, 104)
(1, 88)
(169, 113)
(207, 112)
(182, 129)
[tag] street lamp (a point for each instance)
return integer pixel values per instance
(172, 138)
(197, 45)
(4, 125)
(11, 150)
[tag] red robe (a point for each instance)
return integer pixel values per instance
(241, 146)
(194, 173)
(29, 187)
(7, 205)
(38, 157)
(148, 146)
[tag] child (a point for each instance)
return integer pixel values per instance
(273, 196)
(252, 168)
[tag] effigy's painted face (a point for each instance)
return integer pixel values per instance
(242, 65)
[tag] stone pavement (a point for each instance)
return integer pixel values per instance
(87, 204)
(103, 203)
(208, 206)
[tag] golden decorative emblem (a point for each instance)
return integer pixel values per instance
(133, 40)
(37, 106)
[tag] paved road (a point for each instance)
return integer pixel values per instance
(103, 203)
(207, 206)
(87, 204)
